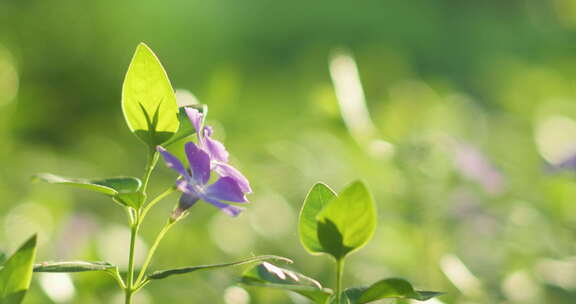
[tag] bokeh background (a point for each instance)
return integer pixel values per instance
(454, 112)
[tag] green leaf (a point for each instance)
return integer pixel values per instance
(162, 274)
(16, 274)
(269, 275)
(393, 288)
(186, 128)
(318, 197)
(132, 199)
(124, 190)
(348, 221)
(352, 295)
(72, 266)
(148, 100)
(80, 266)
(2, 258)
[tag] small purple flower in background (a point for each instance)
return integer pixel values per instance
(568, 164)
(216, 150)
(474, 165)
(193, 183)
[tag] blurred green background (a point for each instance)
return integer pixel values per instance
(466, 103)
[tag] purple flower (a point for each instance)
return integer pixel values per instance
(193, 182)
(475, 165)
(216, 150)
(567, 164)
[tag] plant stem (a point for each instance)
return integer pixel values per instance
(130, 274)
(152, 160)
(159, 238)
(155, 201)
(339, 273)
(135, 221)
(128, 296)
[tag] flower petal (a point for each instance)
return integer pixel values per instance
(186, 201)
(195, 117)
(228, 209)
(567, 164)
(227, 189)
(173, 162)
(215, 148)
(227, 170)
(199, 163)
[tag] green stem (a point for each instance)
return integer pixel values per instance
(156, 200)
(135, 220)
(130, 275)
(159, 238)
(152, 160)
(339, 273)
(128, 296)
(116, 276)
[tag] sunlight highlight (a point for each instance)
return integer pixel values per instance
(185, 98)
(556, 138)
(236, 295)
(8, 77)
(352, 103)
(58, 286)
(460, 275)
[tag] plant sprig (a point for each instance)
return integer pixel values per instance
(336, 225)
(152, 115)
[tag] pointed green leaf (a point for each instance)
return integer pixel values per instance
(148, 100)
(318, 197)
(344, 299)
(80, 266)
(16, 274)
(132, 199)
(186, 128)
(162, 274)
(72, 266)
(394, 288)
(2, 258)
(269, 275)
(124, 190)
(348, 221)
(353, 294)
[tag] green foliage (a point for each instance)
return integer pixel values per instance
(347, 222)
(392, 288)
(336, 225)
(80, 266)
(484, 72)
(124, 190)
(148, 100)
(352, 295)
(16, 273)
(186, 129)
(318, 197)
(72, 266)
(269, 275)
(162, 274)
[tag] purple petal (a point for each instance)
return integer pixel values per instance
(199, 163)
(173, 162)
(227, 170)
(195, 118)
(184, 186)
(475, 165)
(567, 164)
(186, 201)
(227, 189)
(228, 209)
(215, 148)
